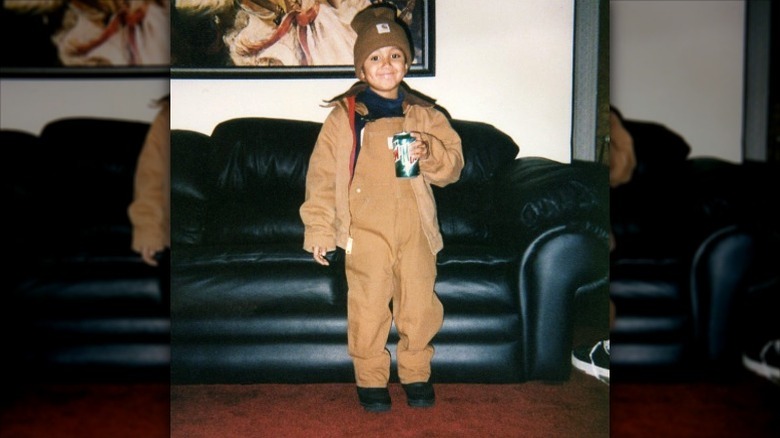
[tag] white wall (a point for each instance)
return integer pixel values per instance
(680, 63)
(27, 105)
(505, 62)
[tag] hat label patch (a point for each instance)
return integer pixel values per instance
(383, 28)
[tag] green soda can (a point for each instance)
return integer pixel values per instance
(405, 165)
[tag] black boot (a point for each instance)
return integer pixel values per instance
(419, 395)
(374, 399)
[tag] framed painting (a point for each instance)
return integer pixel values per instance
(84, 38)
(234, 39)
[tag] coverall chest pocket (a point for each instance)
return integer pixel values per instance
(374, 184)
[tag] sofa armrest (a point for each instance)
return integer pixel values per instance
(726, 193)
(536, 194)
(556, 216)
(740, 227)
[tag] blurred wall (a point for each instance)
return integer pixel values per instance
(680, 63)
(27, 105)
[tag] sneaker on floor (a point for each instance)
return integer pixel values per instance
(593, 360)
(764, 361)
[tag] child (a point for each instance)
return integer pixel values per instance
(150, 210)
(386, 225)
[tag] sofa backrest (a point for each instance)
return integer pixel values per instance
(260, 169)
(191, 184)
(257, 177)
(88, 166)
(658, 149)
(465, 207)
(674, 201)
(22, 185)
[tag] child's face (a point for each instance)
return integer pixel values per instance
(383, 70)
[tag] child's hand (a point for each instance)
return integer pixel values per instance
(147, 255)
(319, 256)
(420, 148)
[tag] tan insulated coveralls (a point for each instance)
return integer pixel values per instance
(389, 229)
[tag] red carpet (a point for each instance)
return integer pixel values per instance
(578, 407)
(86, 411)
(746, 407)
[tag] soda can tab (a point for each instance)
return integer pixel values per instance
(405, 165)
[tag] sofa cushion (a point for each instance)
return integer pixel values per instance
(486, 150)
(260, 166)
(653, 211)
(91, 185)
(22, 187)
(465, 207)
(247, 280)
(475, 278)
(658, 149)
(191, 154)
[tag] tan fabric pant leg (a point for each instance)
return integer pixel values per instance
(369, 277)
(417, 310)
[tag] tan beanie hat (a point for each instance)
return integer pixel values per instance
(377, 27)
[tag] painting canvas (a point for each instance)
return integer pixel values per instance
(282, 38)
(85, 37)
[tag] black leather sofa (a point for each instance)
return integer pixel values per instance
(697, 239)
(523, 240)
(78, 303)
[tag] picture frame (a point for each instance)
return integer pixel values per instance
(77, 39)
(249, 41)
